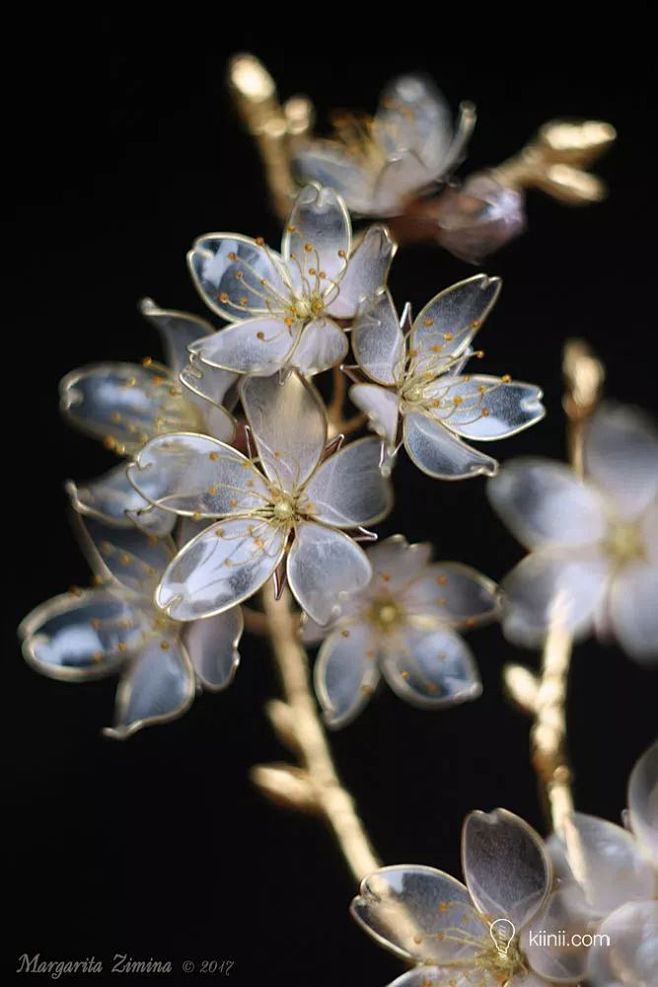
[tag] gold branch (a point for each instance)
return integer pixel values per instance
(314, 786)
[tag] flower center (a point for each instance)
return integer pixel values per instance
(306, 307)
(624, 542)
(283, 508)
(384, 613)
(503, 965)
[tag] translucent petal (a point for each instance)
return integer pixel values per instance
(543, 589)
(649, 533)
(212, 645)
(82, 635)
(207, 383)
(425, 976)
(564, 921)
(158, 686)
(506, 867)
(289, 426)
(129, 556)
(626, 951)
(378, 341)
(485, 408)
(322, 345)
(544, 503)
(643, 800)
(409, 909)
(367, 272)
(125, 404)
(199, 476)
(633, 611)
(220, 568)
(255, 346)
(430, 668)
(177, 330)
(318, 233)
(439, 453)
(112, 499)
(413, 116)
(621, 457)
(448, 323)
(328, 164)
(607, 863)
(452, 592)
(399, 180)
(228, 271)
(322, 564)
(346, 673)
(348, 489)
(395, 563)
(382, 408)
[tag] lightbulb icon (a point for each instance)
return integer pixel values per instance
(502, 931)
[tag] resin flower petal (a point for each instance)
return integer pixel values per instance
(430, 668)
(177, 330)
(626, 952)
(220, 568)
(460, 595)
(318, 235)
(440, 454)
(322, 564)
(565, 922)
(643, 800)
(322, 344)
(378, 340)
(633, 611)
(506, 867)
(485, 408)
(212, 646)
(256, 346)
(112, 499)
(346, 673)
(621, 457)
(348, 490)
(126, 555)
(383, 410)
(366, 274)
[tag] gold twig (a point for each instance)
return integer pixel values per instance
(255, 622)
(314, 786)
(335, 406)
(583, 374)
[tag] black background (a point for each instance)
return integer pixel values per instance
(124, 148)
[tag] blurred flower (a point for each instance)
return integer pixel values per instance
(403, 626)
(479, 934)
(479, 218)
(618, 873)
(115, 628)
(379, 164)
(594, 542)
(283, 306)
(418, 381)
(294, 508)
(126, 404)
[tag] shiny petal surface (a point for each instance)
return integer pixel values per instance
(348, 489)
(409, 909)
(158, 686)
(438, 453)
(328, 164)
(346, 673)
(452, 593)
(506, 867)
(125, 404)
(82, 635)
(413, 116)
(486, 408)
(544, 503)
(382, 408)
(208, 383)
(399, 180)
(366, 273)
(542, 590)
(255, 346)
(378, 341)
(324, 563)
(212, 646)
(566, 919)
(649, 533)
(129, 556)
(643, 800)
(237, 277)
(197, 476)
(621, 457)
(289, 426)
(633, 611)
(318, 235)
(430, 668)
(628, 957)
(177, 330)
(111, 498)
(396, 564)
(220, 568)
(607, 863)
(425, 976)
(448, 323)
(321, 345)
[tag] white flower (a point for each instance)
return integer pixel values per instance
(403, 625)
(594, 542)
(294, 508)
(284, 305)
(618, 873)
(418, 381)
(481, 934)
(378, 165)
(126, 404)
(115, 628)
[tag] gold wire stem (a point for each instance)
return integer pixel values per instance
(315, 785)
(583, 375)
(339, 389)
